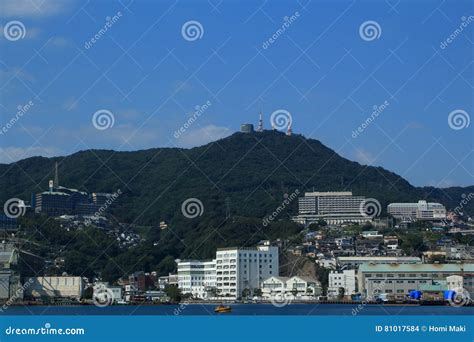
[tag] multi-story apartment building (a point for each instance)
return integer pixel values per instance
(398, 280)
(59, 200)
(346, 279)
(417, 211)
(333, 207)
(239, 268)
(197, 278)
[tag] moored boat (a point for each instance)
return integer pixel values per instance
(222, 309)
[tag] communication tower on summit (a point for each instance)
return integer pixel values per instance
(56, 175)
(260, 123)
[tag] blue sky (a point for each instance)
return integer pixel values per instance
(320, 68)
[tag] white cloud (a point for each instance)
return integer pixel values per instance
(364, 157)
(9, 73)
(444, 183)
(201, 136)
(59, 41)
(12, 154)
(118, 137)
(33, 8)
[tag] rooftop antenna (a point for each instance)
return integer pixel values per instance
(260, 123)
(289, 131)
(56, 175)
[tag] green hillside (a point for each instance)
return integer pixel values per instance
(239, 180)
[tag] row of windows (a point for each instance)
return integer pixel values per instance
(226, 267)
(260, 266)
(401, 275)
(225, 284)
(400, 281)
(391, 291)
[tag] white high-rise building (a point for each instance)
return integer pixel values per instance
(239, 268)
(417, 211)
(334, 207)
(197, 277)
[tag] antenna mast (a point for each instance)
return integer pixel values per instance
(56, 175)
(260, 123)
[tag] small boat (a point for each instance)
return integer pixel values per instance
(222, 309)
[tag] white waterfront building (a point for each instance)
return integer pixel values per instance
(102, 290)
(240, 268)
(197, 278)
(54, 287)
(346, 279)
(417, 211)
(294, 288)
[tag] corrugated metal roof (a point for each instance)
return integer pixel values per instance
(416, 267)
(382, 258)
